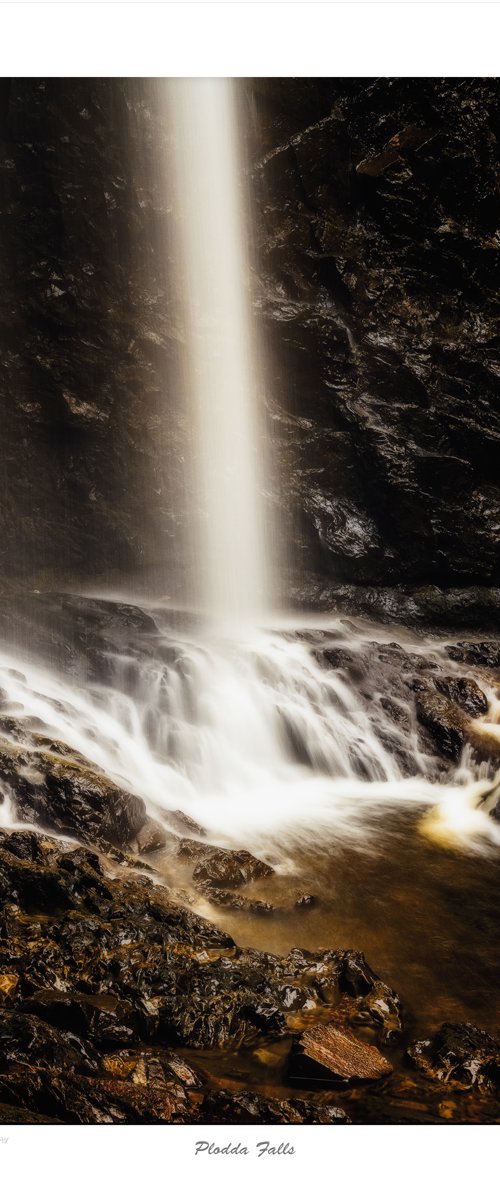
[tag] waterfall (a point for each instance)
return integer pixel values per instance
(250, 737)
(220, 364)
(243, 728)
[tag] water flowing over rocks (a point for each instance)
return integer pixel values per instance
(375, 265)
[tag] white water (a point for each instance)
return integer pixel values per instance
(247, 734)
(220, 365)
(253, 739)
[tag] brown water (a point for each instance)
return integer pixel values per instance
(425, 917)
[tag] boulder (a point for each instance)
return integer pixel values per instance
(444, 720)
(232, 900)
(325, 1053)
(463, 691)
(462, 1055)
(70, 796)
(478, 654)
(222, 868)
(150, 837)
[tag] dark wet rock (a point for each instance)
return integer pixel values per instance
(105, 1019)
(440, 608)
(69, 796)
(306, 901)
(464, 692)
(479, 654)
(385, 403)
(444, 721)
(225, 1009)
(104, 980)
(10, 1114)
(259, 908)
(24, 1038)
(222, 868)
(325, 1052)
(183, 824)
(344, 979)
(83, 1100)
(459, 1054)
(334, 657)
(398, 713)
(150, 837)
(33, 886)
(248, 1108)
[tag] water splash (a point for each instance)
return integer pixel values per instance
(250, 738)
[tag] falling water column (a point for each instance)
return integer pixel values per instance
(220, 366)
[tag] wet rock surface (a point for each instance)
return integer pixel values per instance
(424, 714)
(215, 868)
(118, 1005)
(246, 1108)
(385, 414)
(55, 790)
(324, 1051)
(460, 1054)
(444, 721)
(464, 692)
(103, 975)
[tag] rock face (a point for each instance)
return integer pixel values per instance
(375, 270)
(377, 266)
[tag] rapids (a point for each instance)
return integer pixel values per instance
(252, 738)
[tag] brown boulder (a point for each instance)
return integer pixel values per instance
(325, 1052)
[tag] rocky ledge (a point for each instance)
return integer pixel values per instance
(119, 1005)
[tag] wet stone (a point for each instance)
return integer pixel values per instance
(480, 654)
(325, 1052)
(462, 1055)
(247, 1108)
(443, 720)
(232, 900)
(306, 901)
(104, 991)
(151, 837)
(183, 824)
(464, 692)
(69, 796)
(222, 868)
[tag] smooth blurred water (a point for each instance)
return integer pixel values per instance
(221, 364)
(252, 738)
